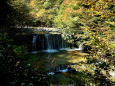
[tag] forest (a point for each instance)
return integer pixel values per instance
(57, 43)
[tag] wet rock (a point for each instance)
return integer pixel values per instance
(64, 68)
(86, 48)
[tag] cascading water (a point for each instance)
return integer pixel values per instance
(34, 42)
(51, 43)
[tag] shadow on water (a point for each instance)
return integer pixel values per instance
(47, 70)
(44, 63)
(56, 69)
(39, 67)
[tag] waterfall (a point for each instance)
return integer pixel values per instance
(51, 43)
(34, 42)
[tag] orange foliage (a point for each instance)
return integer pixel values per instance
(32, 3)
(70, 1)
(68, 10)
(67, 1)
(75, 2)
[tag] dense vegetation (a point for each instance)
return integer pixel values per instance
(91, 22)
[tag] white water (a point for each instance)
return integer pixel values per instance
(51, 43)
(64, 70)
(34, 42)
(73, 49)
(50, 51)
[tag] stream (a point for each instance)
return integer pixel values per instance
(55, 62)
(56, 54)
